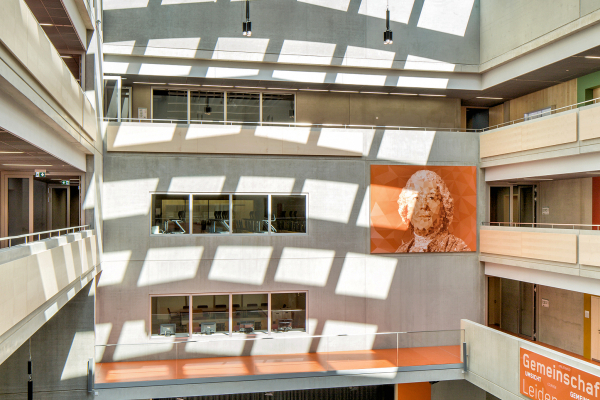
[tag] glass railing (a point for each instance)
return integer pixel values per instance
(211, 354)
(544, 225)
(289, 124)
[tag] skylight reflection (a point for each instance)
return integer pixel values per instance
(448, 16)
(399, 10)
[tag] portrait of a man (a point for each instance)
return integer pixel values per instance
(425, 204)
(423, 209)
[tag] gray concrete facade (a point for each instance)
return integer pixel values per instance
(387, 293)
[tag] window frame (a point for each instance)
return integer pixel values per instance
(231, 333)
(231, 233)
(192, 88)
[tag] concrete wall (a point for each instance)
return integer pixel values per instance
(569, 201)
(331, 33)
(561, 324)
(514, 27)
(349, 290)
(456, 390)
(59, 353)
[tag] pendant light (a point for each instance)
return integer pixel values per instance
(387, 35)
(247, 25)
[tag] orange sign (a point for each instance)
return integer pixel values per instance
(545, 379)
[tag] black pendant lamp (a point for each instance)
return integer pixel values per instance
(387, 35)
(247, 25)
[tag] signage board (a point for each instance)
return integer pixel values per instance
(542, 378)
(65, 182)
(40, 174)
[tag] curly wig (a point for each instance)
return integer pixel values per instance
(408, 197)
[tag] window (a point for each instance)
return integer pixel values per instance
(207, 106)
(170, 213)
(170, 316)
(170, 104)
(228, 313)
(228, 214)
(290, 214)
(250, 312)
(250, 214)
(243, 107)
(211, 214)
(198, 106)
(288, 312)
(210, 314)
(277, 107)
(538, 113)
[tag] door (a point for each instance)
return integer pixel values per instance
(126, 103)
(527, 309)
(17, 204)
(59, 207)
(595, 334)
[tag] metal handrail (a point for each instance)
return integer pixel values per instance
(535, 224)
(555, 111)
(38, 234)
(267, 336)
(288, 124)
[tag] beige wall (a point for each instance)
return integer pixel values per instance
(569, 201)
(561, 95)
(511, 27)
(356, 109)
(497, 115)
(141, 97)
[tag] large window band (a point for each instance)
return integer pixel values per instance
(225, 314)
(266, 214)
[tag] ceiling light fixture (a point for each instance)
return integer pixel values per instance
(433, 95)
(405, 94)
(374, 93)
(593, 57)
(280, 88)
(344, 91)
(387, 35)
(490, 98)
(11, 152)
(26, 165)
(315, 90)
(217, 86)
(247, 25)
(149, 83)
(249, 87)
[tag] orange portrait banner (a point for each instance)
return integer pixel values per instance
(545, 379)
(423, 208)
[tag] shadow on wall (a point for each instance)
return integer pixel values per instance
(144, 27)
(338, 271)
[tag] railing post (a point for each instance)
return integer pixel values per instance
(464, 346)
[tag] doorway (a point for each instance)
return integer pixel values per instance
(17, 205)
(512, 306)
(513, 204)
(63, 207)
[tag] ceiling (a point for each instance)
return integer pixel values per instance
(549, 75)
(19, 155)
(54, 19)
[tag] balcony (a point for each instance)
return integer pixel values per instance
(40, 276)
(501, 364)
(411, 144)
(53, 89)
(560, 248)
(239, 364)
(564, 132)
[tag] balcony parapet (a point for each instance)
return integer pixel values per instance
(38, 278)
(567, 131)
(567, 249)
(214, 137)
(495, 363)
